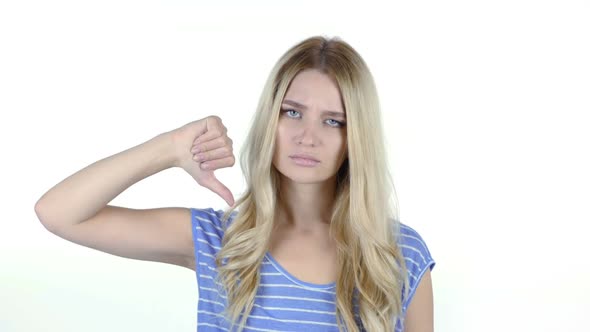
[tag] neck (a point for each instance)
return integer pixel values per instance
(305, 206)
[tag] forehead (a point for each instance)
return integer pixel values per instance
(314, 88)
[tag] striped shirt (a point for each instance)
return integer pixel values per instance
(283, 302)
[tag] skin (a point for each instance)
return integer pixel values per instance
(307, 130)
(75, 208)
(420, 313)
(301, 241)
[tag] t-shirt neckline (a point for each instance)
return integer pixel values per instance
(295, 279)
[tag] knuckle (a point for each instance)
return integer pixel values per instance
(211, 165)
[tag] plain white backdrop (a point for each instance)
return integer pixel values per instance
(485, 104)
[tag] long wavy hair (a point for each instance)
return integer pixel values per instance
(364, 221)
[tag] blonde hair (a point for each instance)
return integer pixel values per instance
(364, 220)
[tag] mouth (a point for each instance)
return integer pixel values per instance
(306, 162)
(303, 157)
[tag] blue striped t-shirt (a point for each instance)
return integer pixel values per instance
(283, 302)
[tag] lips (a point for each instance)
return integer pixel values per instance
(303, 156)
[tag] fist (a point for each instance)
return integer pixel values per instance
(203, 146)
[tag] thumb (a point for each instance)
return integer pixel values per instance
(219, 188)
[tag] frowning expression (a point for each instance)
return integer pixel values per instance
(312, 122)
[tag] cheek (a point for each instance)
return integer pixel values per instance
(281, 129)
(284, 135)
(280, 140)
(344, 150)
(280, 135)
(338, 146)
(342, 141)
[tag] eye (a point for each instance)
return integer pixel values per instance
(337, 123)
(333, 123)
(289, 110)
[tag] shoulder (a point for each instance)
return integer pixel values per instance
(207, 219)
(412, 242)
(417, 257)
(207, 224)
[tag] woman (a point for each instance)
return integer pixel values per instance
(316, 243)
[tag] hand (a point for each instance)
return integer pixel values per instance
(208, 135)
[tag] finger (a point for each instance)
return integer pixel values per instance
(222, 152)
(209, 135)
(212, 144)
(220, 189)
(218, 163)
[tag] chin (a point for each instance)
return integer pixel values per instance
(304, 180)
(303, 175)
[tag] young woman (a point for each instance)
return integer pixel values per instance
(314, 244)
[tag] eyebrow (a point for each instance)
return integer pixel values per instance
(296, 104)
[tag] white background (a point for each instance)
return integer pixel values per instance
(485, 104)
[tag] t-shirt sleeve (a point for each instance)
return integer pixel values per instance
(207, 229)
(417, 257)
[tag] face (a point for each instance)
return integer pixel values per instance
(312, 122)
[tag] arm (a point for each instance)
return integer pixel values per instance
(419, 316)
(83, 194)
(75, 209)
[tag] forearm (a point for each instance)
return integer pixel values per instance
(83, 194)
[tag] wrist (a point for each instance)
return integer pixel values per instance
(166, 147)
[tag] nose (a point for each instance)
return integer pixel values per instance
(308, 135)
